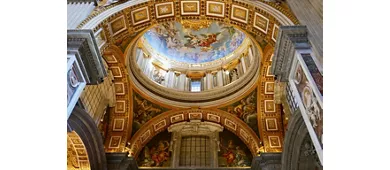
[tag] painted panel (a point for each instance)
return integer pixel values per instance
(246, 110)
(143, 111)
(234, 153)
(156, 153)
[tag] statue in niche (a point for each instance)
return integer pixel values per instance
(157, 155)
(233, 75)
(158, 77)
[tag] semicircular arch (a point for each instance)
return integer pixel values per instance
(163, 121)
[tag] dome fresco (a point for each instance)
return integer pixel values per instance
(182, 44)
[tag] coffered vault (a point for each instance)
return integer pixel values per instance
(251, 103)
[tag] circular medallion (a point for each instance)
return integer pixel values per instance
(307, 96)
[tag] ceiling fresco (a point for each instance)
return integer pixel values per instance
(194, 45)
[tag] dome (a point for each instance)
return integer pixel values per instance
(193, 42)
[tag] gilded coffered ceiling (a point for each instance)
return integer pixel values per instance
(252, 116)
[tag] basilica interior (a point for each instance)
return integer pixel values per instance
(194, 84)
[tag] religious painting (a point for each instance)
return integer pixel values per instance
(216, 9)
(164, 10)
(310, 101)
(117, 25)
(239, 14)
(140, 15)
(246, 110)
(156, 153)
(275, 32)
(190, 8)
(261, 22)
(233, 152)
(176, 41)
(143, 111)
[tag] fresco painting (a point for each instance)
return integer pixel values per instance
(178, 43)
(143, 111)
(234, 153)
(156, 152)
(246, 110)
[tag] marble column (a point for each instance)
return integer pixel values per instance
(220, 78)
(187, 84)
(166, 78)
(243, 64)
(209, 80)
(171, 77)
(140, 58)
(182, 82)
(250, 54)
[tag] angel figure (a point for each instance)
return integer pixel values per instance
(229, 152)
(160, 154)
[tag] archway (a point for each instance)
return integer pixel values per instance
(163, 121)
(81, 123)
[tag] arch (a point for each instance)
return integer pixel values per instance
(297, 137)
(163, 121)
(81, 123)
(77, 154)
